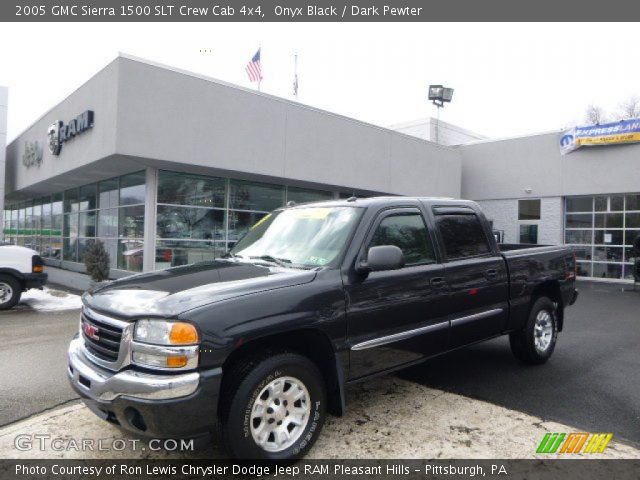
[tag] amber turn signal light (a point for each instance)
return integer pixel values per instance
(183, 334)
(177, 362)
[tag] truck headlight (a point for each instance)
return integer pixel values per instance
(164, 345)
(160, 332)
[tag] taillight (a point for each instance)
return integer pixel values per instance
(37, 264)
(572, 273)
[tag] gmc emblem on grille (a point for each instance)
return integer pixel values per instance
(90, 331)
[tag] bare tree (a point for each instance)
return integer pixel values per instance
(595, 115)
(629, 109)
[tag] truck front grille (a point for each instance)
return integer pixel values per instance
(101, 339)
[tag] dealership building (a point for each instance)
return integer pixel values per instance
(168, 167)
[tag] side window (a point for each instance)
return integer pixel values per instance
(462, 235)
(407, 232)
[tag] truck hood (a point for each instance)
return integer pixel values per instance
(167, 293)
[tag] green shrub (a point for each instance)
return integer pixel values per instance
(97, 261)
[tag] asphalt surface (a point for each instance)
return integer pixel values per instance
(592, 381)
(33, 361)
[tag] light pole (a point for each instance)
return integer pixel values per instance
(438, 96)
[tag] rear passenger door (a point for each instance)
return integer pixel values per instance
(476, 276)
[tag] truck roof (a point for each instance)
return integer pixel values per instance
(387, 200)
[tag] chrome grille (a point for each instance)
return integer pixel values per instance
(106, 340)
(107, 344)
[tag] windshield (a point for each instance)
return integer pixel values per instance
(303, 237)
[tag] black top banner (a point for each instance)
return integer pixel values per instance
(315, 11)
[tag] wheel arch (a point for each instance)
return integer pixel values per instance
(311, 343)
(551, 290)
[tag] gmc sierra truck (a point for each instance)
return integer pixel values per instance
(258, 346)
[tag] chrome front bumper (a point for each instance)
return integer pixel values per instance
(103, 385)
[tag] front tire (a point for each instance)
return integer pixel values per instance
(274, 408)
(534, 344)
(10, 292)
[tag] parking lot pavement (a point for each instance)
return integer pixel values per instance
(34, 362)
(386, 418)
(592, 382)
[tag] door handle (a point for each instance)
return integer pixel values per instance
(492, 272)
(437, 281)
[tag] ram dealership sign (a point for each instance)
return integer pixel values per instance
(624, 131)
(59, 133)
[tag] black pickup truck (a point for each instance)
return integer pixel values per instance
(259, 345)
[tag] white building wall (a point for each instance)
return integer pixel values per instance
(440, 132)
(504, 214)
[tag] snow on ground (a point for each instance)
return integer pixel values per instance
(48, 300)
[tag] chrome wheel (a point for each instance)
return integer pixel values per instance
(280, 414)
(6, 292)
(543, 331)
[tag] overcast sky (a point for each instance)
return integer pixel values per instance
(509, 79)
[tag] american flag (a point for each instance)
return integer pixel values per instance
(254, 70)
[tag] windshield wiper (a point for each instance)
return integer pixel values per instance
(283, 262)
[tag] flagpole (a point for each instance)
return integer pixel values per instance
(295, 77)
(260, 77)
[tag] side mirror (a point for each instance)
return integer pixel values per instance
(381, 258)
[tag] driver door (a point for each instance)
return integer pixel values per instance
(397, 317)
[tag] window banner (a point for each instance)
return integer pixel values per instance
(624, 131)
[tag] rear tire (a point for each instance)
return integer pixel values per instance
(273, 408)
(534, 344)
(10, 291)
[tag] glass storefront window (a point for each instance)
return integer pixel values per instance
(132, 189)
(108, 223)
(579, 204)
(607, 254)
(87, 197)
(616, 203)
(176, 253)
(607, 270)
(131, 224)
(632, 220)
(240, 223)
(70, 228)
(578, 236)
(108, 193)
(130, 254)
(70, 249)
(583, 269)
(87, 224)
(579, 220)
(255, 196)
(302, 195)
(608, 220)
(608, 237)
(184, 189)
(71, 202)
(632, 202)
(601, 204)
(584, 253)
(195, 223)
(630, 236)
(46, 217)
(608, 241)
